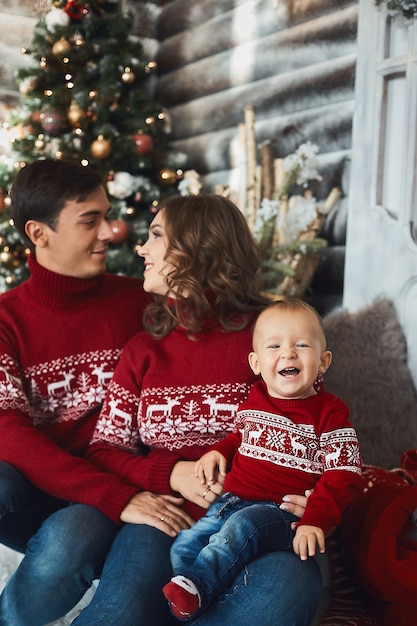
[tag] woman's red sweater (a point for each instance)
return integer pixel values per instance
(168, 401)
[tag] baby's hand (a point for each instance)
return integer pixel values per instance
(209, 466)
(306, 539)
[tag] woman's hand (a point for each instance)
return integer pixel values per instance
(162, 512)
(184, 481)
(295, 504)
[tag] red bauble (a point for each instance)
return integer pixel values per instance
(75, 10)
(143, 143)
(52, 122)
(120, 231)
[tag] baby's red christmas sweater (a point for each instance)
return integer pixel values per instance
(60, 340)
(283, 446)
(168, 401)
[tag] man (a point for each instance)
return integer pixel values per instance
(61, 334)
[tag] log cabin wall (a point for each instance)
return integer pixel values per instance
(292, 60)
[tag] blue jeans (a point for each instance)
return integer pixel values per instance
(232, 534)
(277, 588)
(65, 547)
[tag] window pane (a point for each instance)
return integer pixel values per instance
(392, 143)
(396, 38)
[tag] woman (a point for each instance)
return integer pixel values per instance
(174, 393)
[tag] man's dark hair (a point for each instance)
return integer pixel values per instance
(42, 189)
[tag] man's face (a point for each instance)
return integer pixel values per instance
(78, 245)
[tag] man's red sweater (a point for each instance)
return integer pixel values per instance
(60, 340)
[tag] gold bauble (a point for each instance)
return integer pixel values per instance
(75, 114)
(39, 143)
(6, 257)
(101, 148)
(61, 47)
(128, 76)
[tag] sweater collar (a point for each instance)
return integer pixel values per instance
(58, 291)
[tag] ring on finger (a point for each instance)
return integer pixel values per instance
(162, 518)
(209, 484)
(205, 493)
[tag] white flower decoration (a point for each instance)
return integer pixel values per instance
(122, 186)
(56, 18)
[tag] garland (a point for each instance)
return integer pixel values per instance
(407, 7)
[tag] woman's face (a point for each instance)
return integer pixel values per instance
(153, 252)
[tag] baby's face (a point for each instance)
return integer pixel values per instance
(289, 352)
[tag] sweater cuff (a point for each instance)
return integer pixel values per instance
(115, 500)
(160, 470)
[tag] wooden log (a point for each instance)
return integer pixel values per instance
(267, 169)
(175, 17)
(276, 54)
(250, 139)
(309, 88)
(328, 126)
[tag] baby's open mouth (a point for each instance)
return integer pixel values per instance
(288, 372)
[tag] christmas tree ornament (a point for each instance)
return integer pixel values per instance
(40, 142)
(128, 76)
(6, 256)
(74, 10)
(93, 94)
(120, 231)
(151, 66)
(122, 185)
(167, 177)
(101, 148)
(52, 122)
(143, 143)
(27, 85)
(56, 18)
(61, 48)
(75, 114)
(78, 39)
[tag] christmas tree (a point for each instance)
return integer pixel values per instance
(86, 97)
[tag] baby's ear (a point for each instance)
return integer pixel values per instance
(254, 363)
(325, 361)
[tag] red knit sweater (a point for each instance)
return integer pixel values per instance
(288, 446)
(169, 400)
(60, 340)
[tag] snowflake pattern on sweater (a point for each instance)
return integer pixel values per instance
(59, 390)
(277, 439)
(169, 417)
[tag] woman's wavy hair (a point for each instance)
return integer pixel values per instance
(216, 265)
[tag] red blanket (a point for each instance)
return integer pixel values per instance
(379, 554)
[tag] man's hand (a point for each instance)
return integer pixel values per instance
(162, 512)
(306, 539)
